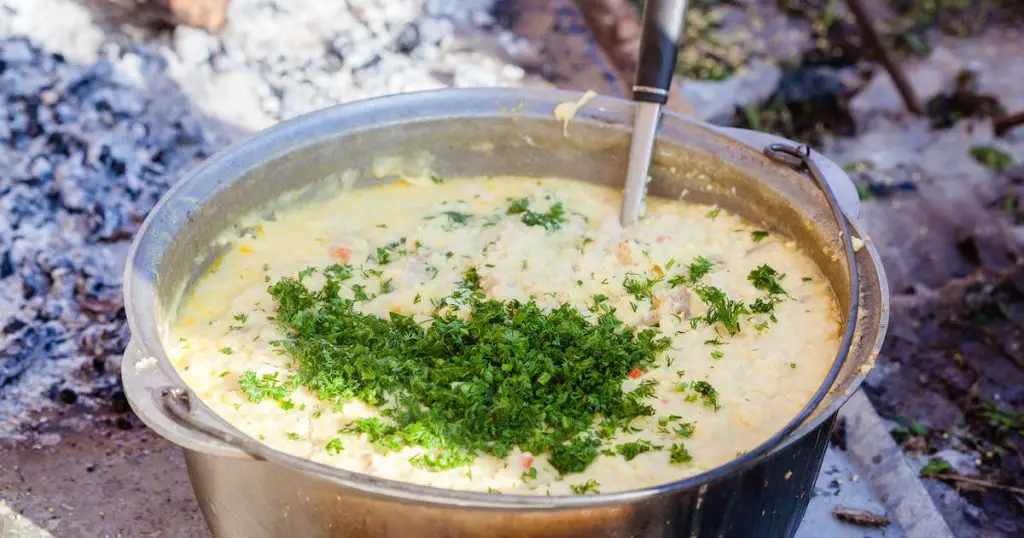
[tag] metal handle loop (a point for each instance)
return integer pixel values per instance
(178, 403)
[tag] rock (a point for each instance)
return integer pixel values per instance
(927, 77)
(717, 101)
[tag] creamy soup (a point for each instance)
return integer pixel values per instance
(506, 334)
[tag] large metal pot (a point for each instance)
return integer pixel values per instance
(248, 490)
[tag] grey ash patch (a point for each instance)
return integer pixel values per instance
(85, 156)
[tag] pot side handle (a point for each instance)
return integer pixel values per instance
(171, 411)
(841, 184)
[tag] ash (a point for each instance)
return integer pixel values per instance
(85, 156)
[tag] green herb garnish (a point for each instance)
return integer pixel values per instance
(334, 446)
(765, 278)
(635, 448)
(500, 375)
(686, 429)
(590, 486)
(227, 350)
(257, 388)
(707, 394)
(679, 454)
(758, 235)
(695, 271)
(721, 309)
(456, 217)
(639, 286)
(550, 220)
(471, 279)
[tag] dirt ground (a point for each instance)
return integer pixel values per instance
(101, 478)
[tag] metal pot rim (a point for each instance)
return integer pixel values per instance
(235, 161)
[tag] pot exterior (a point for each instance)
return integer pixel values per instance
(252, 499)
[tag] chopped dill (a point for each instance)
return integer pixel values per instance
(471, 279)
(551, 220)
(635, 448)
(686, 429)
(498, 376)
(640, 286)
(765, 278)
(695, 271)
(334, 446)
(456, 217)
(590, 486)
(679, 455)
(721, 309)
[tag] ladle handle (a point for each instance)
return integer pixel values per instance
(659, 47)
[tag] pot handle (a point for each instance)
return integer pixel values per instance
(173, 412)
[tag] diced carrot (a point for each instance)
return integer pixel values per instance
(527, 461)
(662, 238)
(635, 373)
(342, 254)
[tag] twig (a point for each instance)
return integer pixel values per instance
(1003, 124)
(978, 482)
(860, 517)
(870, 34)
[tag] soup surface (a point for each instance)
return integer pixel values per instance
(506, 334)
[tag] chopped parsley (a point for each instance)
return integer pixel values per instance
(695, 271)
(384, 253)
(257, 388)
(679, 455)
(766, 279)
(551, 220)
(471, 279)
(706, 393)
(497, 376)
(635, 448)
(227, 350)
(294, 436)
(639, 286)
(359, 292)
(334, 446)
(758, 235)
(456, 217)
(241, 319)
(714, 213)
(686, 429)
(721, 309)
(590, 486)
(387, 286)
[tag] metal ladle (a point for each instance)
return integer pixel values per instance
(659, 46)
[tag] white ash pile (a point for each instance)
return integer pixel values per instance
(85, 156)
(274, 60)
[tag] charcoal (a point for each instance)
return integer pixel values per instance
(86, 157)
